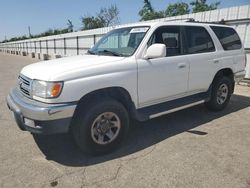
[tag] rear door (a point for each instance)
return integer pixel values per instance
(201, 54)
(233, 50)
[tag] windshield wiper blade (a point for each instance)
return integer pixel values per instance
(111, 52)
(90, 52)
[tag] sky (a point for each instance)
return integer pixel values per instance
(41, 15)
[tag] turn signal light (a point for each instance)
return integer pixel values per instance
(56, 89)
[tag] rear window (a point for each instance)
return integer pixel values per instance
(228, 37)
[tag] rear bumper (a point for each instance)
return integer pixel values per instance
(238, 76)
(40, 118)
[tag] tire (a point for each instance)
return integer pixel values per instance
(222, 89)
(100, 126)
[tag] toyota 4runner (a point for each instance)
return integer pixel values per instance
(135, 72)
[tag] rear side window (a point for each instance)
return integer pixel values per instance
(228, 37)
(198, 40)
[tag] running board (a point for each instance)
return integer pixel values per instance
(175, 109)
(172, 106)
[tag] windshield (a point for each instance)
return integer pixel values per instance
(120, 42)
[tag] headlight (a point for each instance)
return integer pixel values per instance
(46, 89)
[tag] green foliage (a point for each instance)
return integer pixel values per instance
(106, 17)
(201, 5)
(148, 13)
(152, 16)
(180, 8)
(147, 9)
(176, 9)
(24, 37)
(49, 32)
(91, 22)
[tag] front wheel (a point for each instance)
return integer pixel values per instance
(221, 93)
(100, 126)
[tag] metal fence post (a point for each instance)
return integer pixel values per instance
(64, 46)
(55, 46)
(94, 37)
(47, 50)
(77, 45)
(31, 47)
(35, 45)
(27, 47)
(40, 44)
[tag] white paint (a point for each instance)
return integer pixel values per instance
(156, 51)
(148, 81)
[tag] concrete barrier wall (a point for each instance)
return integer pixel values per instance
(76, 43)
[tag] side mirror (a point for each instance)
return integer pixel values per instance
(155, 51)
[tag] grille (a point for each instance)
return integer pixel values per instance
(24, 85)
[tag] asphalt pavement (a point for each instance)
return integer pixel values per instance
(190, 148)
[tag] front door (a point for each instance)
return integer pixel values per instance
(166, 78)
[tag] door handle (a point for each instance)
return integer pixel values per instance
(182, 65)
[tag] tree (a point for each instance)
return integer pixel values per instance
(201, 5)
(106, 17)
(91, 22)
(109, 16)
(177, 9)
(148, 13)
(70, 26)
(147, 8)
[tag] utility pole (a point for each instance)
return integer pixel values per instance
(29, 31)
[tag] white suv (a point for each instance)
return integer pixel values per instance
(138, 72)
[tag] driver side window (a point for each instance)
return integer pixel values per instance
(170, 36)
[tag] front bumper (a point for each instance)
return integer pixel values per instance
(38, 117)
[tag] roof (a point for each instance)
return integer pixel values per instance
(173, 22)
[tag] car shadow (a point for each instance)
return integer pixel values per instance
(61, 148)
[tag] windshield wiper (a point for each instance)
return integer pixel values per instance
(90, 52)
(110, 52)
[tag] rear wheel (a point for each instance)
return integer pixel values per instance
(100, 126)
(221, 92)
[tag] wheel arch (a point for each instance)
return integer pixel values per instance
(118, 93)
(228, 72)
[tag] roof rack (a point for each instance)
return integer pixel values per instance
(180, 19)
(222, 21)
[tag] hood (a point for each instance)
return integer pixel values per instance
(55, 70)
